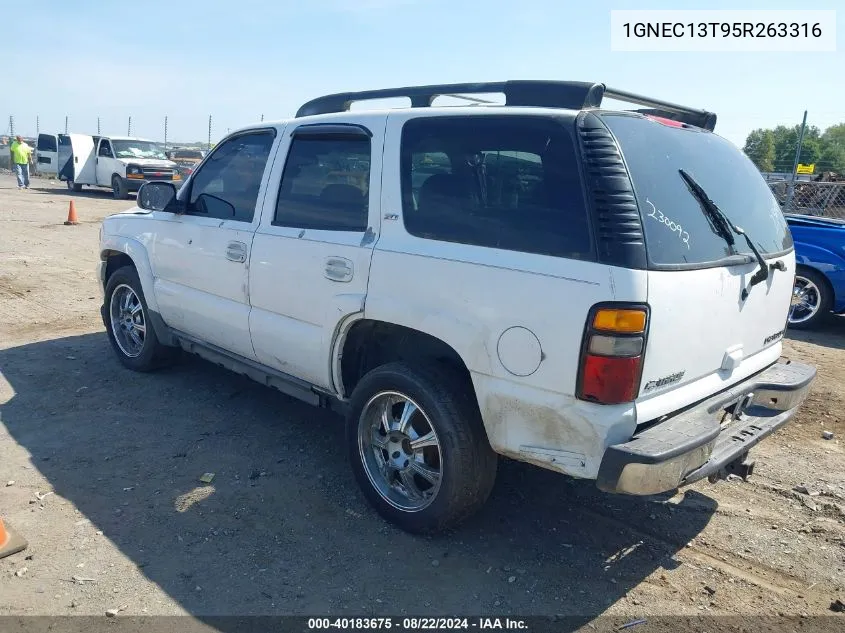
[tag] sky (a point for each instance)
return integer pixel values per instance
(239, 60)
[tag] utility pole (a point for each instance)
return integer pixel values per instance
(65, 124)
(37, 126)
(98, 126)
(129, 127)
(12, 125)
(791, 193)
(209, 133)
(262, 118)
(165, 131)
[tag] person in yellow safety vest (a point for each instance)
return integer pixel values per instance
(21, 157)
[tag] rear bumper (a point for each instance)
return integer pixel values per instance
(703, 440)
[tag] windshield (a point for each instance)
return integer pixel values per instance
(138, 149)
(677, 231)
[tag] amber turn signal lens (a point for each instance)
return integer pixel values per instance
(625, 321)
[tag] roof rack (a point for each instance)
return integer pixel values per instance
(574, 95)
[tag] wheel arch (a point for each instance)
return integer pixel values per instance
(368, 343)
(825, 279)
(117, 251)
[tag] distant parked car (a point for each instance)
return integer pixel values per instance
(820, 271)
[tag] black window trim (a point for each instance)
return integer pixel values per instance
(739, 259)
(328, 132)
(567, 124)
(189, 189)
(331, 130)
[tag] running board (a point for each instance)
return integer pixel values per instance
(287, 384)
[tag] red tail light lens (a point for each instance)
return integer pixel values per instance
(611, 360)
(610, 380)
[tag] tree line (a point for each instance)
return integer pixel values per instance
(774, 150)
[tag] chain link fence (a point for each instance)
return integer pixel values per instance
(824, 199)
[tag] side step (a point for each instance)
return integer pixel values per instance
(288, 385)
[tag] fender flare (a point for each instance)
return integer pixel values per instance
(138, 254)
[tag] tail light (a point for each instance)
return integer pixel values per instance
(612, 354)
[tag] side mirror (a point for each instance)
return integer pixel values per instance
(156, 196)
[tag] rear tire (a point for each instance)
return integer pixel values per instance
(129, 328)
(119, 188)
(72, 186)
(436, 471)
(812, 300)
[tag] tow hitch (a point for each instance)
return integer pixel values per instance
(741, 467)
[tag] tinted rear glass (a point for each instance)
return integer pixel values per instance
(47, 143)
(676, 229)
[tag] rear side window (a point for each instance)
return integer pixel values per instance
(47, 143)
(325, 185)
(509, 183)
(677, 231)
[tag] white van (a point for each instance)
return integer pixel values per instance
(121, 163)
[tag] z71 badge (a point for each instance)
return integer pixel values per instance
(662, 382)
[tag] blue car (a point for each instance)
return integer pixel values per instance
(820, 271)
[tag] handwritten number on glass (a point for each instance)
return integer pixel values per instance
(657, 214)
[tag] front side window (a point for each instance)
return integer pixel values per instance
(509, 183)
(325, 185)
(105, 149)
(227, 185)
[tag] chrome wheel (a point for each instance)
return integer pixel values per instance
(400, 451)
(806, 300)
(128, 324)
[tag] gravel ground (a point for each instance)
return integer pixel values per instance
(105, 465)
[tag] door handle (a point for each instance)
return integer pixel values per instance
(236, 251)
(339, 269)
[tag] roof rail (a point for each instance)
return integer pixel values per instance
(574, 95)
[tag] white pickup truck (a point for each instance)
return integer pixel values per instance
(545, 280)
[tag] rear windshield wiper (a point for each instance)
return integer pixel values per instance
(725, 229)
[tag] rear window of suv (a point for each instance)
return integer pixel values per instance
(676, 229)
(509, 183)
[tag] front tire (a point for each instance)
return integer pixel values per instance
(418, 448)
(128, 325)
(812, 300)
(119, 189)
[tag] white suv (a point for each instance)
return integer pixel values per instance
(545, 280)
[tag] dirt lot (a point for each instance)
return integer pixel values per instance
(283, 530)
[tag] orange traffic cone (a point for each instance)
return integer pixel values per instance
(71, 215)
(10, 541)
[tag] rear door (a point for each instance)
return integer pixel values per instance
(84, 162)
(47, 153)
(703, 335)
(311, 255)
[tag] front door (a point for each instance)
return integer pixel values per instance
(311, 256)
(105, 163)
(200, 256)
